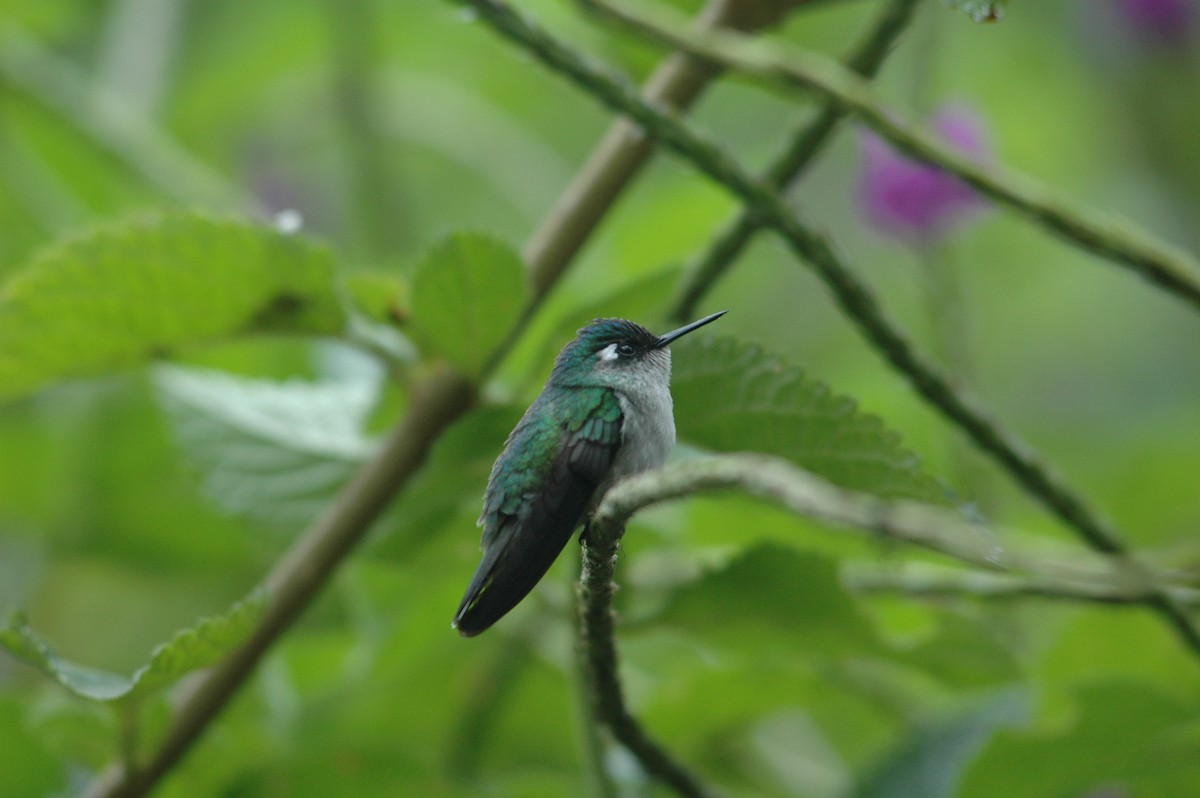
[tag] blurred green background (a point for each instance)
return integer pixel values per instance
(387, 124)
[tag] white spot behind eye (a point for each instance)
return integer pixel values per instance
(609, 352)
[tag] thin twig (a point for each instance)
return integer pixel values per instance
(928, 582)
(852, 294)
(600, 656)
(1164, 265)
(865, 59)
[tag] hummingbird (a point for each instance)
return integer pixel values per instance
(605, 413)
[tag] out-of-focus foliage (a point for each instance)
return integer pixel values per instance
(188, 650)
(147, 150)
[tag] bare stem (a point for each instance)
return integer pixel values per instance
(597, 640)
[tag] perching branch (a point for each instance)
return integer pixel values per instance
(801, 493)
(865, 59)
(1164, 265)
(852, 294)
(599, 655)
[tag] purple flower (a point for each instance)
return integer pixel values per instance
(915, 202)
(1158, 21)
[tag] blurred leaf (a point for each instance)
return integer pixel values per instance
(380, 297)
(732, 396)
(125, 293)
(466, 294)
(272, 451)
(792, 748)
(19, 639)
(980, 10)
(189, 650)
(1124, 733)
(930, 762)
(28, 767)
(773, 597)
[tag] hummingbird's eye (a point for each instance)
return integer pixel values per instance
(626, 350)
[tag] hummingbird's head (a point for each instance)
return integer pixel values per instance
(617, 353)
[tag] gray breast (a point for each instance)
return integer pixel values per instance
(648, 431)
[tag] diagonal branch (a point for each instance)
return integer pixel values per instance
(852, 294)
(865, 59)
(1166, 266)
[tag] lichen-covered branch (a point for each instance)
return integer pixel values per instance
(1164, 265)
(599, 654)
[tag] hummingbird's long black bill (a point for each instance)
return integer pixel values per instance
(666, 339)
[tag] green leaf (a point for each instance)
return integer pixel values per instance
(467, 293)
(732, 396)
(189, 650)
(120, 295)
(270, 451)
(980, 10)
(382, 298)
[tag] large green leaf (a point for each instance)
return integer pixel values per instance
(119, 295)
(271, 451)
(190, 649)
(732, 396)
(467, 293)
